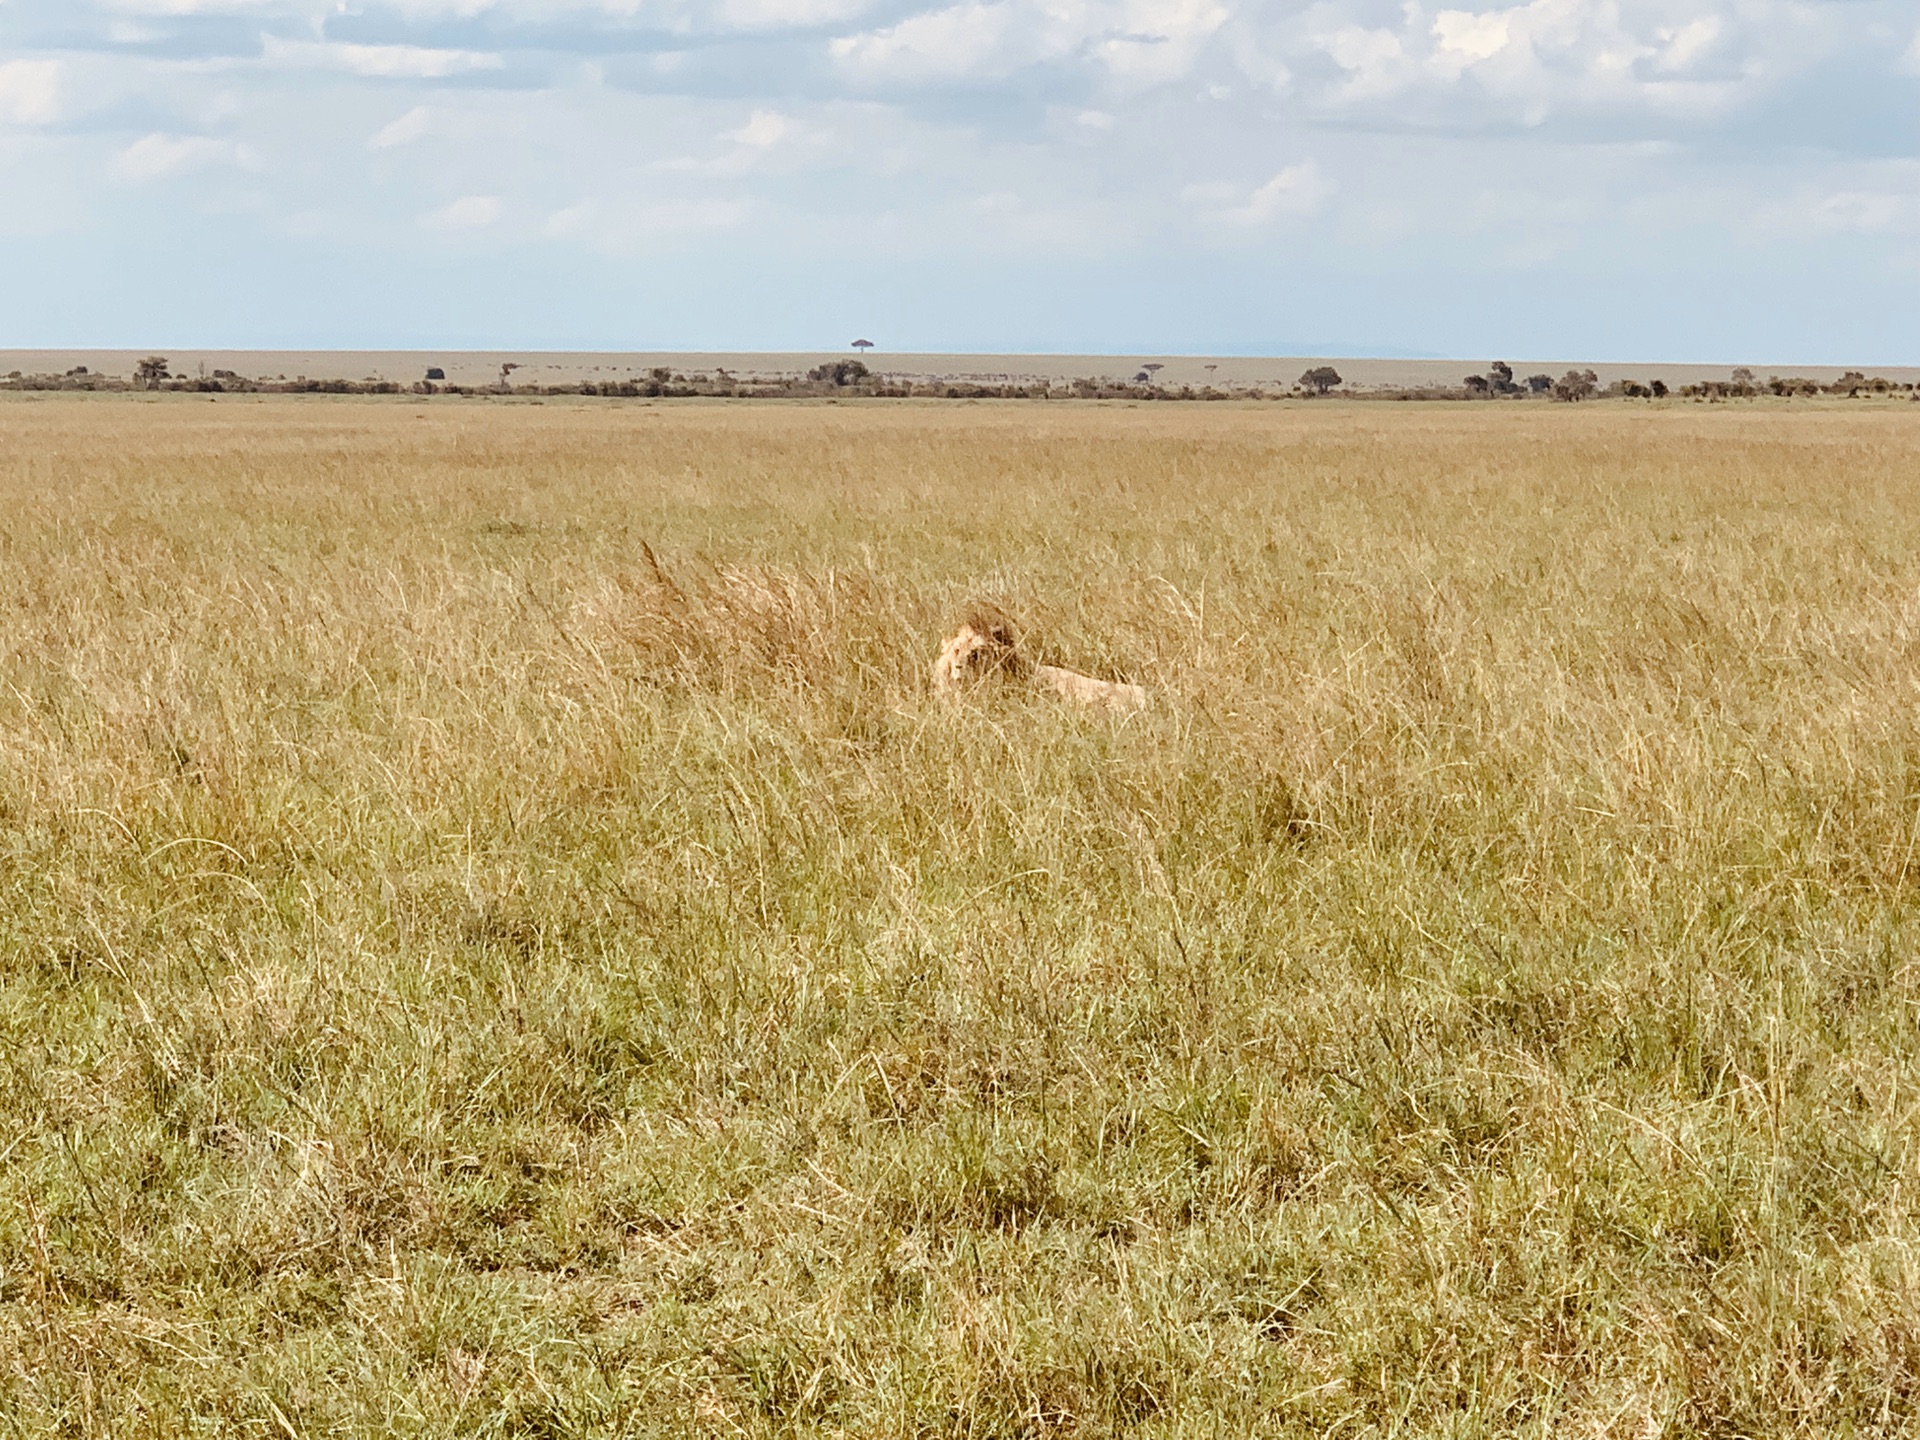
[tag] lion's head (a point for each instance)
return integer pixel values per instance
(986, 646)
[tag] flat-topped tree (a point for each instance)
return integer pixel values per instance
(1320, 379)
(150, 372)
(1576, 385)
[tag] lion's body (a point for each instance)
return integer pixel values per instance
(1088, 690)
(986, 648)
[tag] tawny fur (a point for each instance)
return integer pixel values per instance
(987, 647)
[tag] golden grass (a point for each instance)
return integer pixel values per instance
(498, 937)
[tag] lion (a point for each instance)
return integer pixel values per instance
(987, 647)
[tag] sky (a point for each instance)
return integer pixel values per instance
(1677, 180)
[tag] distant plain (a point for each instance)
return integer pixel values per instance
(573, 367)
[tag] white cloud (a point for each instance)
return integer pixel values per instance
(1375, 60)
(1531, 61)
(788, 14)
(1858, 210)
(1296, 190)
(1682, 45)
(959, 41)
(1136, 42)
(470, 212)
(1471, 37)
(30, 91)
(403, 131)
(764, 128)
(1259, 57)
(1880, 198)
(1294, 193)
(734, 15)
(384, 62)
(747, 147)
(436, 9)
(196, 7)
(159, 156)
(1159, 40)
(573, 219)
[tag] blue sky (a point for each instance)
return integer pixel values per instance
(1606, 179)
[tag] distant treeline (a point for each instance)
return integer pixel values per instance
(852, 378)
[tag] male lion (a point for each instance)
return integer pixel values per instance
(987, 647)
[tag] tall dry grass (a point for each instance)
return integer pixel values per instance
(496, 936)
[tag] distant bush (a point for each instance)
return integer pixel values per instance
(1576, 385)
(839, 373)
(852, 376)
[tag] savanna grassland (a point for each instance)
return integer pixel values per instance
(497, 936)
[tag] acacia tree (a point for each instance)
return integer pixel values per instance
(150, 372)
(1320, 379)
(1576, 385)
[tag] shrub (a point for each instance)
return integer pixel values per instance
(1576, 385)
(839, 373)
